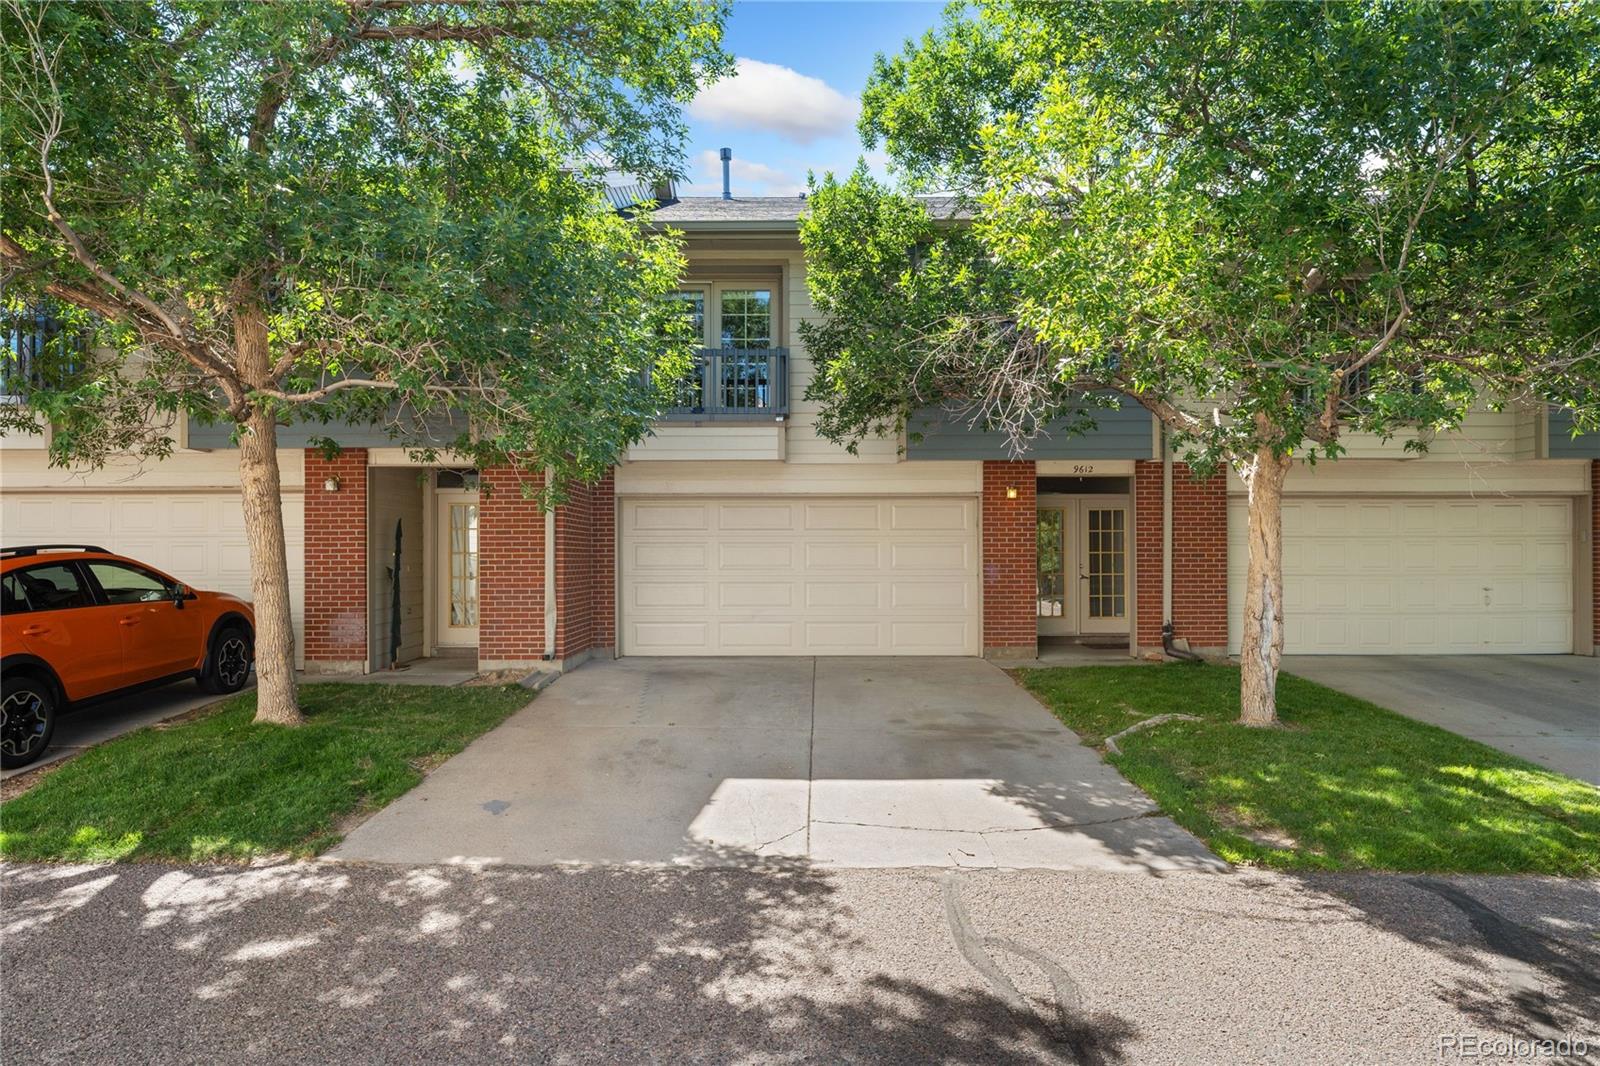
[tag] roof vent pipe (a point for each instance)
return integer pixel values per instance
(727, 185)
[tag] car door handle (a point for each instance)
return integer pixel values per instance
(132, 620)
(35, 631)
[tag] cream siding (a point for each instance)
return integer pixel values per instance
(677, 442)
(805, 444)
(1565, 477)
(1510, 433)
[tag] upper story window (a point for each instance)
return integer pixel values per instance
(38, 349)
(693, 302)
(746, 318)
(732, 315)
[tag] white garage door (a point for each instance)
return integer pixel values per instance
(800, 577)
(197, 537)
(1424, 576)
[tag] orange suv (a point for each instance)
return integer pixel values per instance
(79, 623)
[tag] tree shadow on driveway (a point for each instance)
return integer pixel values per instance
(1535, 941)
(349, 963)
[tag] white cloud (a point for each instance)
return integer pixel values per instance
(747, 177)
(777, 99)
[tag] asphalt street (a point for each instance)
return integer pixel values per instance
(351, 963)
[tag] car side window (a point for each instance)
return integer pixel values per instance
(13, 598)
(122, 583)
(53, 587)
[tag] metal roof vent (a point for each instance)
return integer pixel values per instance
(727, 183)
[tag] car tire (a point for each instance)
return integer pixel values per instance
(228, 661)
(27, 720)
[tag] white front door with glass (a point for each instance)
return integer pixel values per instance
(456, 590)
(1083, 565)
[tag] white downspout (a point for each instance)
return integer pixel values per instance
(549, 572)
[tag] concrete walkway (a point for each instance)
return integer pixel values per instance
(844, 762)
(1544, 708)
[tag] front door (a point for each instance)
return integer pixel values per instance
(456, 581)
(1083, 565)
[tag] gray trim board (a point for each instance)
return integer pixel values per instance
(1121, 433)
(1562, 443)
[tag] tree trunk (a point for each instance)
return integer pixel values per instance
(1261, 651)
(277, 698)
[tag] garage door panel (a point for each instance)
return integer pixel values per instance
(1419, 576)
(937, 515)
(915, 594)
(840, 637)
(815, 576)
(668, 555)
(842, 555)
(778, 516)
(668, 594)
(833, 594)
(756, 555)
(678, 636)
(672, 516)
(755, 594)
(947, 556)
(766, 637)
(851, 516)
(928, 635)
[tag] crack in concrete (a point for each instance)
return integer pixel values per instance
(775, 840)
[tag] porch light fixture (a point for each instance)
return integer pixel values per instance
(1011, 492)
(332, 484)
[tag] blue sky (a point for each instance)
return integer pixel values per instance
(792, 107)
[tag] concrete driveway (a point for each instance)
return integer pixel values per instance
(1544, 708)
(844, 762)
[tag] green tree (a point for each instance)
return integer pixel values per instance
(1269, 224)
(346, 210)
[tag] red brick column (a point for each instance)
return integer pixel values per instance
(586, 568)
(510, 571)
(1199, 557)
(575, 572)
(1010, 560)
(603, 561)
(336, 562)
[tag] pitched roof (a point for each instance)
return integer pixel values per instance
(767, 212)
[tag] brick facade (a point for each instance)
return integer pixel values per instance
(575, 572)
(511, 580)
(336, 562)
(1199, 557)
(510, 570)
(603, 560)
(1010, 559)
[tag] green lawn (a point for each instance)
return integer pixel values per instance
(1343, 784)
(219, 788)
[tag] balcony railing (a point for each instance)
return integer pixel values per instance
(733, 384)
